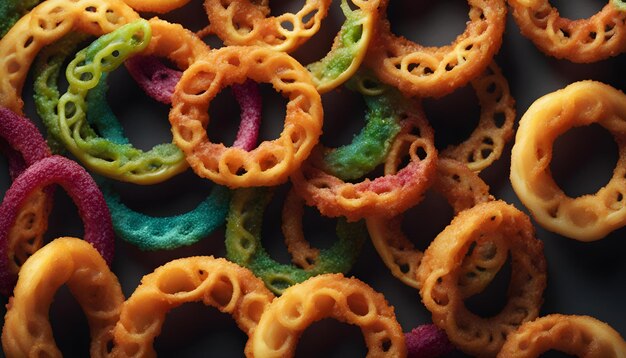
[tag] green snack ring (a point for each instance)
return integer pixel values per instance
(619, 4)
(13, 10)
(369, 148)
(113, 160)
(243, 243)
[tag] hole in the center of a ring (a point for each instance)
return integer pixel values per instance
(331, 338)
(69, 324)
(453, 117)
(583, 159)
(493, 298)
(196, 330)
(145, 121)
(272, 238)
(344, 117)
(428, 23)
(424, 221)
(581, 9)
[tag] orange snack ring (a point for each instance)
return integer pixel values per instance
(436, 71)
(442, 266)
(246, 23)
(581, 336)
(176, 43)
(329, 295)
(45, 24)
(495, 126)
(215, 282)
(584, 40)
(272, 161)
(588, 217)
(384, 196)
(158, 6)
(462, 188)
(26, 235)
(71, 261)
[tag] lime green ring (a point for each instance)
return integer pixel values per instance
(619, 4)
(243, 243)
(113, 160)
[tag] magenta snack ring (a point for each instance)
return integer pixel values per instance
(22, 135)
(249, 98)
(80, 187)
(427, 341)
(156, 79)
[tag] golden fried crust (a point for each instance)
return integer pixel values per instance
(442, 272)
(46, 24)
(587, 217)
(585, 40)
(215, 282)
(70, 261)
(330, 295)
(272, 161)
(580, 336)
(436, 71)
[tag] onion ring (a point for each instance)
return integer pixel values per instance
(243, 241)
(329, 295)
(427, 341)
(581, 336)
(215, 282)
(272, 161)
(388, 195)
(588, 217)
(436, 71)
(51, 20)
(441, 273)
(70, 261)
(461, 187)
(601, 36)
(80, 187)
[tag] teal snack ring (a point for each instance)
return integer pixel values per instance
(244, 247)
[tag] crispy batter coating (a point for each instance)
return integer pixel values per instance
(580, 336)
(330, 295)
(442, 275)
(587, 217)
(593, 39)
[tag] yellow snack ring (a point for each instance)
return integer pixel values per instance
(588, 217)
(329, 295)
(582, 336)
(45, 24)
(70, 261)
(158, 6)
(272, 161)
(215, 282)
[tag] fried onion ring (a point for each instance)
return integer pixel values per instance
(330, 295)
(45, 24)
(588, 217)
(272, 161)
(437, 71)
(585, 40)
(581, 336)
(244, 247)
(461, 187)
(70, 261)
(442, 272)
(215, 282)
(79, 186)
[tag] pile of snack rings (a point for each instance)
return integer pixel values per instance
(367, 185)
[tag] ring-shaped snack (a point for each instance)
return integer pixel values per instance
(436, 71)
(215, 282)
(463, 189)
(244, 247)
(158, 6)
(63, 261)
(13, 10)
(580, 336)
(427, 341)
(441, 273)
(329, 295)
(272, 161)
(45, 24)
(588, 217)
(388, 195)
(232, 21)
(596, 38)
(619, 4)
(80, 187)
(495, 125)
(24, 147)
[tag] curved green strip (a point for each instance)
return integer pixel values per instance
(620, 4)
(13, 10)
(243, 243)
